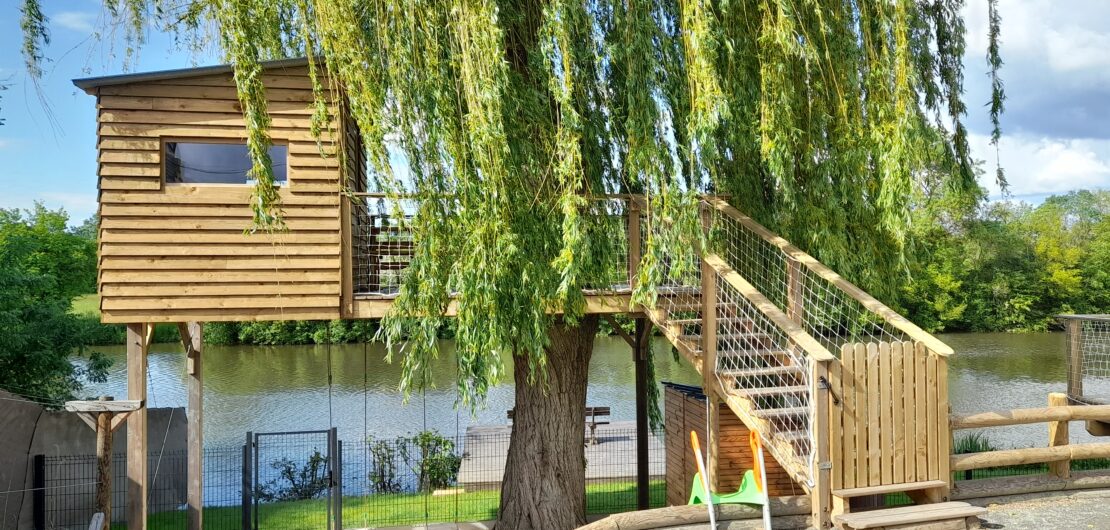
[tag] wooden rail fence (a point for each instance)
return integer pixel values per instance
(1059, 453)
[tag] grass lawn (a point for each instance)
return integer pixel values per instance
(86, 304)
(397, 509)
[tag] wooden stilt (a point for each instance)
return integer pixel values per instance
(192, 339)
(137, 348)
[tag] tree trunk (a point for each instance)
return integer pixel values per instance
(544, 487)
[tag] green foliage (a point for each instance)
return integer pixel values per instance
(429, 456)
(973, 442)
(42, 268)
(433, 460)
(1005, 266)
(297, 481)
(383, 467)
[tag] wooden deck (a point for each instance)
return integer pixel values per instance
(612, 459)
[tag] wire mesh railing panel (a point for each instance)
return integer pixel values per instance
(802, 288)
(382, 244)
(1088, 357)
(757, 361)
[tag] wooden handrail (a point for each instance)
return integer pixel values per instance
(889, 315)
(1002, 418)
(793, 330)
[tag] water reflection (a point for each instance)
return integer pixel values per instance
(274, 388)
(277, 388)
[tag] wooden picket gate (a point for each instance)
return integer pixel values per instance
(888, 419)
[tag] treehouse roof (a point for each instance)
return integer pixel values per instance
(89, 84)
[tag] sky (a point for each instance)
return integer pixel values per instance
(1056, 128)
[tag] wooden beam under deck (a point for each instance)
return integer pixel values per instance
(600, 304)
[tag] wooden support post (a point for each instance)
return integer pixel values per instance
(192, 339)
(1075, 358)
(709, 371)
(633, 241)
(137, 347)
(103, 416)
(1057, 436)
(104, 464)
(821, 498)
(639, 354)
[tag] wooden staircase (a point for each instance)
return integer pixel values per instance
(836, 423)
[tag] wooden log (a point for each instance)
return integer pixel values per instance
(1002, 418)
(1032, 455)
(997, 487)
(1058, 436)
(104, 466)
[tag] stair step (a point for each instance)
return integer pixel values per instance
(903, 516)
(772, 414)
(770, 370)
(760, 353)
(889, 488)
(791, 436)
(775, 391)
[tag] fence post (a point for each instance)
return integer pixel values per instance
(1058, 436)
(247, 503)
(1075, 358)
(338, 483)
(38, 498)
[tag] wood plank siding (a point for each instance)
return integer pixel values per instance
(179, 252)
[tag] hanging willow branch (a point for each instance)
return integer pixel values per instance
(511, 118)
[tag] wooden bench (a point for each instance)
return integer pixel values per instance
(939, 516)
(594, 416)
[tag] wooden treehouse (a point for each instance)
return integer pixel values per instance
(850, 398)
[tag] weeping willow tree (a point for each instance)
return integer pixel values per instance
(513, 117)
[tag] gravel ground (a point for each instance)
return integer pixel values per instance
(1049, 511)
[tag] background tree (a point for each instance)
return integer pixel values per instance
(511, 116)
(42, 267)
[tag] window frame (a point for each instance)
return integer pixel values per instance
(163, 160)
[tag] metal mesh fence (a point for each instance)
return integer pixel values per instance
(1088, 359)
(69, 489)
(419, 479)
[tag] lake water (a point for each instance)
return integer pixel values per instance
(279, 388)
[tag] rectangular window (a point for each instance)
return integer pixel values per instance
(217, 163)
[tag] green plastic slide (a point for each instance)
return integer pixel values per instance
(747, 494)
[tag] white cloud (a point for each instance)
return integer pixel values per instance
(6, 143)
(79, 21)
(1039, 165)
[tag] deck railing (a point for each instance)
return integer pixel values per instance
(382, 246)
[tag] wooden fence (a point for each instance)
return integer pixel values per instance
(1059, 453)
